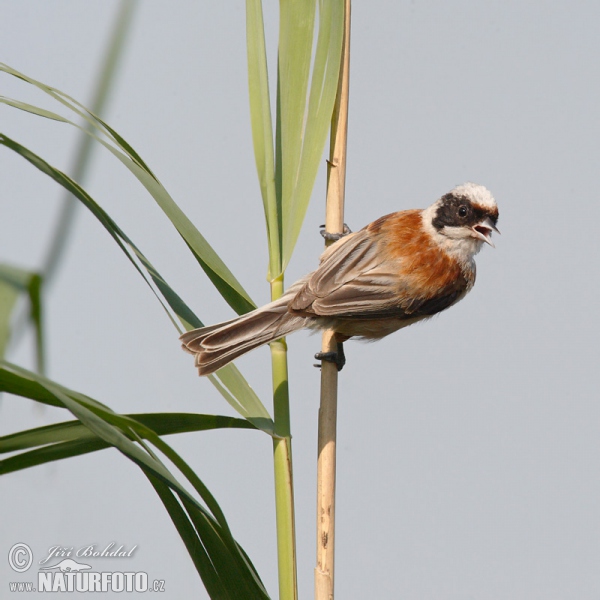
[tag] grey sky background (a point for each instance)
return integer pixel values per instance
(468, 448)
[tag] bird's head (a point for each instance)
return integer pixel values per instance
(462, 220)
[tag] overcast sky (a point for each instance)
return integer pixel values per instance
(469, 451)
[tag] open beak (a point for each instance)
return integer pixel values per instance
(483, 231)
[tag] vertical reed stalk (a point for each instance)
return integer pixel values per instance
(282, 461)
(334, 223)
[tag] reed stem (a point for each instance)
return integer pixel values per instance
(282, 462)
(334, 223)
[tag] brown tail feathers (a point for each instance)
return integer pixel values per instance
(217, 345)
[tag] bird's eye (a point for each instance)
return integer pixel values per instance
(462, 211)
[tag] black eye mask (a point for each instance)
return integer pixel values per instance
(448, 215)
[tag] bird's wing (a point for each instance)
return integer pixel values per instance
(358, 279)
(353, 277)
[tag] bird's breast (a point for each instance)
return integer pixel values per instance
(424, 268)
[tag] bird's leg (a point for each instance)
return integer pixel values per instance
(334, 237)
(338, 357)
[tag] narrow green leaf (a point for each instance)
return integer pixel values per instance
(51, 453)
(160, 423)
(72, 438)
(35, 110)
(262, 130)
(323, 91)
(296, 27)
(21, 382)
(190, 538)
(234, 388)
(236, 575)
(224, 576)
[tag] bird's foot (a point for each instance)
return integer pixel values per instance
(334, 237)
(338, 357)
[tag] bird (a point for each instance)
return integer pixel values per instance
(402, 268)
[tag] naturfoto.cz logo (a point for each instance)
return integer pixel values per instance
(70, 575)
